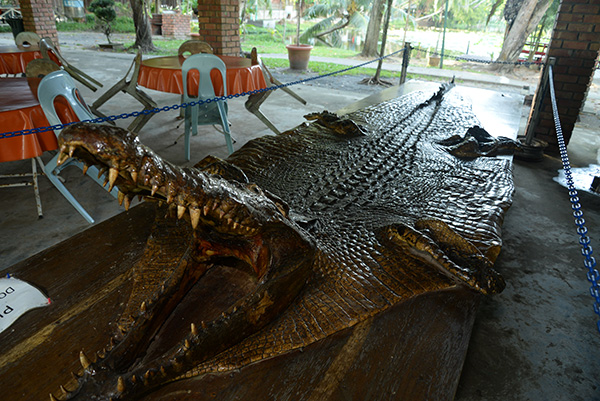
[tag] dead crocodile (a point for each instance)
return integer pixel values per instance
(334, 226)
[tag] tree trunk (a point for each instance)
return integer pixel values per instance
(384, 38)
(528, 17)
(372, 37)
(143, 31)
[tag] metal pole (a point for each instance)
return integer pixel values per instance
(537, 102)
(405, 61)
(444, 36)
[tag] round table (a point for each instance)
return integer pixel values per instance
(21, 110)
(164, 74)
(13, 59)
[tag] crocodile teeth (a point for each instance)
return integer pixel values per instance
(194, 216)
(127, 202)
(120, 198)
(62, 157)
(120, 384)
(85, 362)
(101, 171)
(180, 211)
(194, 329)
(71, 150)
(154, 189)
(64, 390)
(52, 397)
(112, 177)
(134, 175)
(143, 306)
(85, 168)
(205, 210)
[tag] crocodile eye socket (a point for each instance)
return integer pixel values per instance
(254, 188)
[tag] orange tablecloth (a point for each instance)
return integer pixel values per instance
(19, 110)
(13, 59)
(164, 74)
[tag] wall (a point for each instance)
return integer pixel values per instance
(575, 43)
(175, 25)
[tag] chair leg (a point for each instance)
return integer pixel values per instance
(186, 131)
(36, 188)
(225, 124)
(49, 169)
(116, 88)
(253, 106)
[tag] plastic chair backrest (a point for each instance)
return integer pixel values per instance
(60, 83)
(40, 67)
(194, 47)
(28, 40)
(204, 63)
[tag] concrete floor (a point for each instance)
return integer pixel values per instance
(535, 341)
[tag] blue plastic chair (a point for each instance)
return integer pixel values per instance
(206, 113)
(60, 83)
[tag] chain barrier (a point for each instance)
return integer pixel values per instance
(190, 104)
(584, 240)
(475, 60)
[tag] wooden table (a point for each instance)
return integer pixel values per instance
(20, 110)
(164, 74)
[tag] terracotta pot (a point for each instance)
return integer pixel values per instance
(298, 55)
(433, 61)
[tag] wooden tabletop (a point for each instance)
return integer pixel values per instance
(23, 93)
(175, 62)
(15, 49)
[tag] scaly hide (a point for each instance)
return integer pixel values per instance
(328, 225)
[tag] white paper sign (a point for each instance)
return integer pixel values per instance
(16, 298)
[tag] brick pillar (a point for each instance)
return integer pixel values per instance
(38, 17)
(575, 43)
(218, 24)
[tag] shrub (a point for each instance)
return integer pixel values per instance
(105, 13)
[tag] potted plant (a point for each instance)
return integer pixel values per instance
(298, 54)
(105, 13)
(433, 58)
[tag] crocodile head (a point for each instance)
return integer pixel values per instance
(215, 220)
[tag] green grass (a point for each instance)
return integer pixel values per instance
(121, 25)
(321, 68)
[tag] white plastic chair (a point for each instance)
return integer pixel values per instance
(60, 83)
(206, 113)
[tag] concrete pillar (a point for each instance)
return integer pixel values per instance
(38, 17)
(575, 43)
(218, 24)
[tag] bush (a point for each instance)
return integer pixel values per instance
(104, 10)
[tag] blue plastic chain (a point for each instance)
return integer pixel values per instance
(178, 106)
(584, 240)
